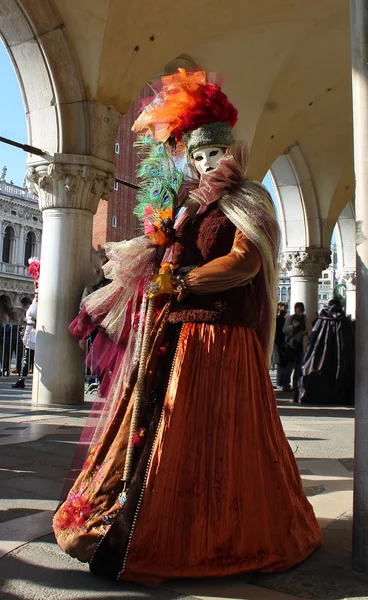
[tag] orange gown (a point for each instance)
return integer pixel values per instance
(223, 493)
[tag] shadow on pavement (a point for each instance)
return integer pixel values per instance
(38, 569)
(327, 574)
(302, 410)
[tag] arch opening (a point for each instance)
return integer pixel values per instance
(30, 247)
(8, 245)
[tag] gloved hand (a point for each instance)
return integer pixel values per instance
(161, 282)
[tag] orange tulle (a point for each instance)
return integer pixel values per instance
(223, 493)
(186, 102)
(163, 115)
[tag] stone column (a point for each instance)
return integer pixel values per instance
(359, 51)
(348, 279)
(19, 259)
(69, 190)
(350, 306)
(14, 247)
(305, 268)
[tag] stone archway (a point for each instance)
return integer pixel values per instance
(77, 135)
(303, 255)
(345, 235)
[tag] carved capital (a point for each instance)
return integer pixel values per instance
(306, 263)
(348, 278)
(79, 182)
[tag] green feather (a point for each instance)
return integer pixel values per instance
(160, 179)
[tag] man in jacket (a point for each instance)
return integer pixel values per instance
(295, 329)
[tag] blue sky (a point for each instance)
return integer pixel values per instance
(267, 182)
(12, 120)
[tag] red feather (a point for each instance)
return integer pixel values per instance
(213, 105)
(187, 101)
(34, 268)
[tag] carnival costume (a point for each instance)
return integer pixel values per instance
(328, 368)
(30, 332)
(204, 482)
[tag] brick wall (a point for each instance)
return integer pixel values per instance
(99, 234)
(114, 220)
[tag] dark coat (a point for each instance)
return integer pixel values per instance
(329, 361)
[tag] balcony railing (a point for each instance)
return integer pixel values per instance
(16, 190)
(17, 270)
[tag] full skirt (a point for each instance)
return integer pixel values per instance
(220, 491)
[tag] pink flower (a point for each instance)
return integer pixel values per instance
(139, 437)
(148, 227)
(162, 350)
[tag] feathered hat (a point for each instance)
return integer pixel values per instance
(34, 268)
(191, 110)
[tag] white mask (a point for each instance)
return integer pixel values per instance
(206, 159)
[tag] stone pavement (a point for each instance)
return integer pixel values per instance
(36, 448)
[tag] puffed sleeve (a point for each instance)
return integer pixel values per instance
(235, 269)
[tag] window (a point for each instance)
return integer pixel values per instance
(25, 302)
(283, 294)
(117, 149)
(324, 296)
(8, 245)
(325, 275)
(114, 221)
(30, 249)
(116, 186)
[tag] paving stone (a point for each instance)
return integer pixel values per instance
(41, 569)
(322, 440)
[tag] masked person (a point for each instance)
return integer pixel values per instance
(328, 367)
(215, 489)
(29, 336)
(279, 345)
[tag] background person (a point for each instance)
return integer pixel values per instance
(29, 341)
(328, 368)
(295, 330)
(29, 336)
(278, 353)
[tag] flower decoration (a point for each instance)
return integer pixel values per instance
(74, 512)
(139, 437)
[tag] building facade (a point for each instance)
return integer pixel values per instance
(20, 238)
(326, 286)
(332, 279)
(114, 220)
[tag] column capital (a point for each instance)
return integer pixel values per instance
(306, 263)
(348, 278)
(71, 181)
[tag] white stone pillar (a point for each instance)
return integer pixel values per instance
(305, 268)
(304, 289)
(1, 237)
(350, 304)
(359, 53)
(69, 190)
(21, 246)
(14, 246)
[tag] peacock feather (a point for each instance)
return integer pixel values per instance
(160, 181)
